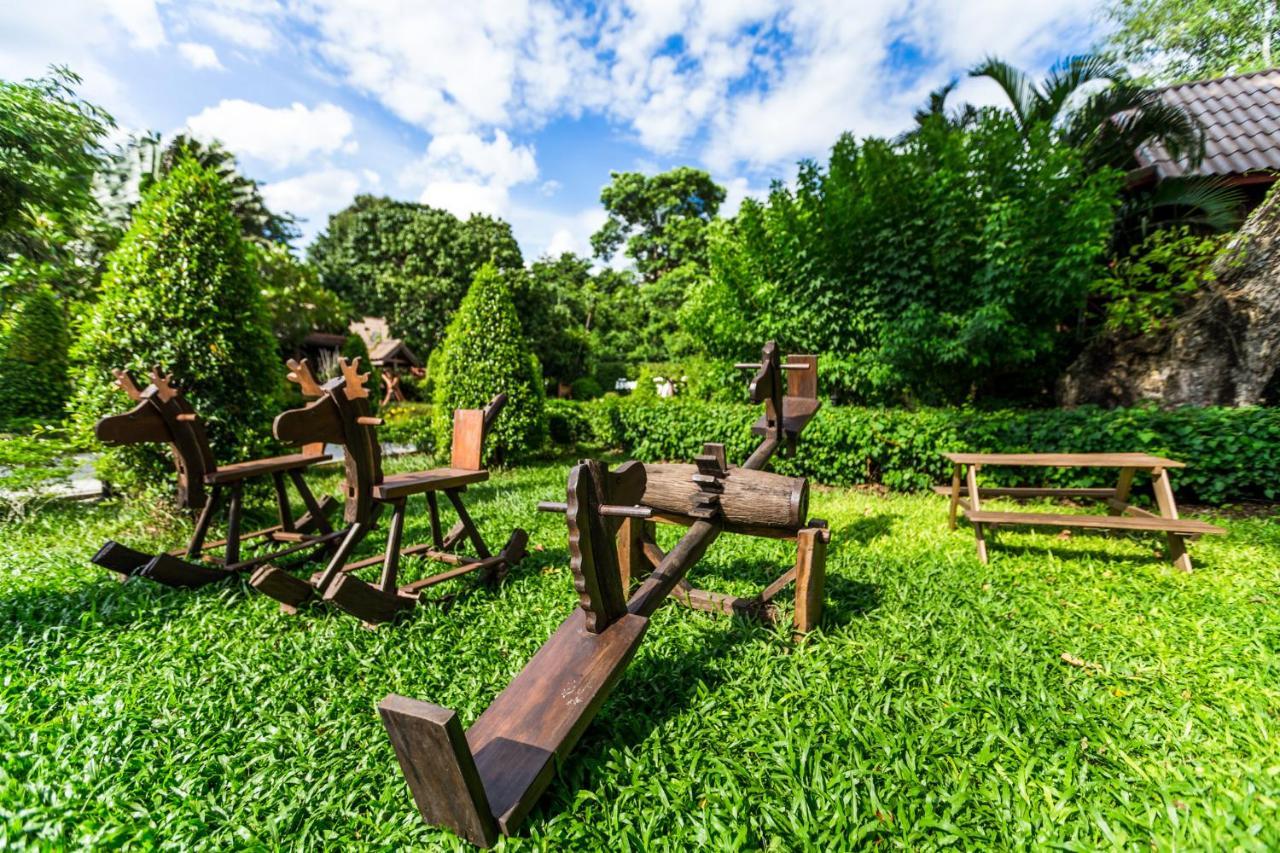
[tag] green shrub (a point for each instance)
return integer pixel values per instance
(33, 361)
(294, 300)
(484, 353)
(408, 423)
(181, 292)
(1157, 278)
(585, 388)
(1231, 454)
(568, 423)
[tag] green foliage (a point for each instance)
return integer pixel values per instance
(585, 388)
(29, 465)
(33, 361)
(931, 710)
(1178, 40)
(567, 423)
(945, 267)
(408, 262)
(294, 300)
(484, 353)
(408, 423)
(554, 299)
(1157, 279)
(50, 145)
(1232, 454)
(181, 291)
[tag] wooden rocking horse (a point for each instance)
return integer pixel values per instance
(340, 414)
(484, 782)
(162, 414)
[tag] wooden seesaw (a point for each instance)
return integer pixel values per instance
(483, 783)
(340, 414)
(164, 415)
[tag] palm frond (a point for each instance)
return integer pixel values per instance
(1027, 102)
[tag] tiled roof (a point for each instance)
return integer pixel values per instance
(1241, 118)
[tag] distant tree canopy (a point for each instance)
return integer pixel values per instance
(1173, 41)
(408, 262)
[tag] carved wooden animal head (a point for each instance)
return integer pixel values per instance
(339, 414)
(162, 414)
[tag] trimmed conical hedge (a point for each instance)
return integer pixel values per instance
(484, 353)
(33, 361)
(181, 291)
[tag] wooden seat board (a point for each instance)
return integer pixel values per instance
(258, 467)
(437, 479)
(1066, 460)
(1107, 522)
(796, 414)
(541, 714)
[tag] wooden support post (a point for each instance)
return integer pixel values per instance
(283, 512)
(1116, 506)
(391, 559)
(975, 502)
(232, 553)
(811, 574)
(1169, 509)
(633, 565)
(955, 493)
(433, 509)
(482, 550)
(314, 510)
(196, 545)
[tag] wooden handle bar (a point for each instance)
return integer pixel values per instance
(612, 510)
(188, 417)
(367, 420)
(756, 366)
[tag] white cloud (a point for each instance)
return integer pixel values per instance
(141, 19)
(314, 195)
(549, 232)
(464, 174)
(281, 136)
(199, 56)
(249, 24)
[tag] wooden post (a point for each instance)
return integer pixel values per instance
(955, 493)
(811, 573)
(975, 503)
(391, 558)
(232, 553)
(1123, 487)
(1169, 509)
(633, 565)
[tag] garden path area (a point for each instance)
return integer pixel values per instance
(934, 707)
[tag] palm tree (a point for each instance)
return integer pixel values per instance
(1097, 108)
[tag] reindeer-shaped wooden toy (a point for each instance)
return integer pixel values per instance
(484, 782)
(162, 414)
(340, 414)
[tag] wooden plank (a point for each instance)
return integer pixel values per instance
(1124, 484)
(632, 562)
(975, 498)
(1169, 509)
(1066, 460)
(1032, 492)
(468, 439)
(257, 467)
(416, 482)
(543, 712)
(811, 573)
(1103, 522)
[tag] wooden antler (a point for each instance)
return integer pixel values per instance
(164, 390)
(300, 374)
(128, 384)
(355, 379)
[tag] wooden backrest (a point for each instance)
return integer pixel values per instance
(468, 439)
(803, 383)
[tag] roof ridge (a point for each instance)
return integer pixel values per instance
(1207, 80)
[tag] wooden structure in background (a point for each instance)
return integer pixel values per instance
(482, 782)
(340, 414)
(162, 414)
(1122, 515)
(391, 356)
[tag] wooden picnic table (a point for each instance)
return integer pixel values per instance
(1122, 515)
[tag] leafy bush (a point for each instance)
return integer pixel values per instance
(1157, 279)
(1231, 454)
(29, 464)
(181, 292)
(408, 423)
(567, 422)
(294, 300)
(585, 388)
(33, 361)
(484, 353)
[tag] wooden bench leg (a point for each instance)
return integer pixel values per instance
(232, 553)
(955, 493)
(1169, 509)
(391, 558)
(975, 503)
(196, 545)
(811, 574)
(482, 550)
(1123, 487)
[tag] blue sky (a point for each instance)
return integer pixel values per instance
(520, 108)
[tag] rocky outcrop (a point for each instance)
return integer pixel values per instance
(1222, 351)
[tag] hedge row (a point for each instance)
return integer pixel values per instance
(1231, 454)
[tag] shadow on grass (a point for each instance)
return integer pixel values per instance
(1049, 543)
(864, 530)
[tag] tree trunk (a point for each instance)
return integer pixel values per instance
(1222, 351)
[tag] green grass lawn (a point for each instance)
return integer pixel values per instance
(932, 709)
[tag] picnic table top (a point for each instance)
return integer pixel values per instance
(1067, 460)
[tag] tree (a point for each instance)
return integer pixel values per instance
(1173, 41)
(659, 221)
(554, 299)
(408, 262)
(485, 353)
(50, 145)
(133, 168)
(181, 292)
(294, 301)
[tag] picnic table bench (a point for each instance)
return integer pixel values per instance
(1122, 515)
